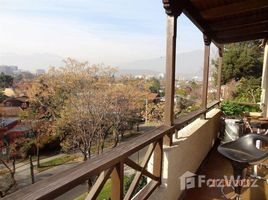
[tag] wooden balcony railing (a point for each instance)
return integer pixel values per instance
(111, 165)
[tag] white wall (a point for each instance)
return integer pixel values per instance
(189, 150)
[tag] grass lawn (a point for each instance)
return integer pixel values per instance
(105, 193)
(55, 162)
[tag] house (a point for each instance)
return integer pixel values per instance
(153, 98)
(7, 124)
(10, 111)
(20, 130)
(9, 136)
(21, 102)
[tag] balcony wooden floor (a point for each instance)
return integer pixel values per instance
(216, 166)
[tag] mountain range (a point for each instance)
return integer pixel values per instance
(188, 65)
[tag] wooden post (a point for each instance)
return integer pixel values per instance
(168, 139)
(158, 159)
(170, 69)
(264, 95)
(219, 73)
(118, 182)
(207, 42)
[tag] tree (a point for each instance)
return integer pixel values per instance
(127, 103)
(83, 104)
(2, 96)
(248, 90)
(46, 99)
(241, 71)
(24, 147)
(7, 179)
(155, 112)
(242, 60)
(153, 85)
(24, 76)
(84, 115)
(5, 81)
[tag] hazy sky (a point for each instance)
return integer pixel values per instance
(38, 33)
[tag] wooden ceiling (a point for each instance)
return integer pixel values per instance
(225, 21)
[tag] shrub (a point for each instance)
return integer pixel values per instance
(142, 183)
(236, 109)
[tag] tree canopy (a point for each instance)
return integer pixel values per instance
(242, 60)
(154, 85)
(82, 104)
(5, 80)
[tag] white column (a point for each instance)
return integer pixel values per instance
(264, 85)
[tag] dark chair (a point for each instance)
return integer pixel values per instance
(242, 153)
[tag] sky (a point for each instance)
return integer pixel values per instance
(38, 34)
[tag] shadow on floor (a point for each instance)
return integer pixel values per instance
(216, 167)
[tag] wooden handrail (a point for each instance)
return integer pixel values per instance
(58, 184)
(179, 123)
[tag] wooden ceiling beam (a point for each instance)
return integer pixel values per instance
(256, 28)
(175, 7)
(240, 38)
(234, 9)
(172, 7)
(239, 21)
(241, 26)
(194, 15)
(232, 29)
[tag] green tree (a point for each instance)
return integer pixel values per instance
(5, 80)
(248, 90)
(154, 85)
(2, 96)
(23, 76)
(242, 60)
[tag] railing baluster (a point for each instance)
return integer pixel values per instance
(139, 174)
(118, 182)
(97, 187)
(158, 160)
(168, 139)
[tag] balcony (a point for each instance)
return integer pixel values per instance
(180, 145)
(160, 164)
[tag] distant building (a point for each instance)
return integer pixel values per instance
(9, 70)
(161, 75)
(40, 72)
(139, 76)
(196, 78)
